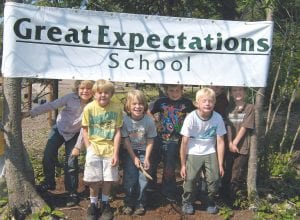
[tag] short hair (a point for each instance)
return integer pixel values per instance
(84, 83)
(205, 92)
(102, 85)
(166, 86)
(135, 94)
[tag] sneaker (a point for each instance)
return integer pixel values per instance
(212, 209)
(127, 210)
(72, 200)
(140, 210)
(92, 212)
(107, 213)
(187, 208)
(44, 187)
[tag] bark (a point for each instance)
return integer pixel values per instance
(255, 141)
(19, 173)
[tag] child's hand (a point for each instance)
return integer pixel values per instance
(25, 114)
(233, 148)
(75, 152)
(221, 169)
(183, 172)
(115, 160)
(146, 164)
(137, 162)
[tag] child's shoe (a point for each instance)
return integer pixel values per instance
(107, 213)
(187, 208)
(92, 212)
(127, 210)
(140, 210)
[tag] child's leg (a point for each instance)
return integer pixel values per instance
(130, 181)
(212, 176)
(193, 166)
(71, 167)
(54, 142)
(170, 154)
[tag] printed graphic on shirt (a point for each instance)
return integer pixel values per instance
(137, 137)
(208, 134)
(103, 125)
(172, 120)
(236, 117)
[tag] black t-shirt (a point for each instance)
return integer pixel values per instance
(171, 116)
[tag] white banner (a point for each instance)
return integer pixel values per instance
(44, 42)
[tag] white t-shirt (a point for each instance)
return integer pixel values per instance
(202, 133)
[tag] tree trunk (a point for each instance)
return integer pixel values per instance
(255, 141)
(23, 199)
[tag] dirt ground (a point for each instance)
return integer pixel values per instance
(35, 132)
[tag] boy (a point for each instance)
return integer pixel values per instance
(241, 123)
(169, 112)
(202, 130)
(101, 123)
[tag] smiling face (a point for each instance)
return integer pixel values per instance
(136, 104)
(85, 93)
(238, 94)
(137, 109)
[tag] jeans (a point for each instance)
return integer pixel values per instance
(134, 181)
(168, 153)
(55, 141)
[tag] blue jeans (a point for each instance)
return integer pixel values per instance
(134, 181)
(55, 141)
(168, 153)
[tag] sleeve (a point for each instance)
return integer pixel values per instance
(248, 121)
(151, 131)
(124, 130)
(119, 121)
(85, 116)
(185, 129)
(221, 129)
(155, 107)
(50, 106)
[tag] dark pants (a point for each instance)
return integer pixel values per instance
(55, 141)
(135, 181)
(239, 173)
(168, 153)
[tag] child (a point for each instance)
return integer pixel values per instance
(101, 123)
(241, 124)
(65, 131)
(172, 111)
(138, 132)
(202, 130)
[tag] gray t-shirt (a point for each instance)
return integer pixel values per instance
(138, 131)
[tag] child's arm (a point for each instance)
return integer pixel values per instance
(131, 153)
(86, 136)
(220, 153)
(183, 149)
(233, 146)
(149, 147)
(79, 144)
(117, 142)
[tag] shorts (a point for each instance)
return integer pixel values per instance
(99, 168)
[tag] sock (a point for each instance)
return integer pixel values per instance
(94, 199)
(105, 198)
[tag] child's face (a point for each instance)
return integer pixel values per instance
(174, 92)
(238, 93)
(205, 105)
(85, 93)
(103, 97)
(137, 109)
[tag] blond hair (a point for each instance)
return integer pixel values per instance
(102, 85)
(138, 95)
(206, 92)
(82, 83)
